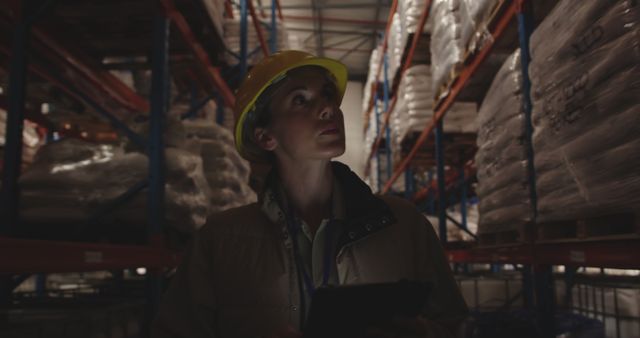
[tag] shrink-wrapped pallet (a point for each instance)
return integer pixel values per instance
(411, 10)
(71, 180)
(456, 23)
(395, 48)
(447, 46)
(414, 108)
(501, 159)
(475, 15)
(585, 75)
(374, 63)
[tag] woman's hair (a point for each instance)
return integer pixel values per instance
(260, 116)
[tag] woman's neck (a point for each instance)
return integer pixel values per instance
(308, 186)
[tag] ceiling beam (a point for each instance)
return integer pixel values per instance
(331, 6)
(354, 49)
(329, 31)
(374, 34)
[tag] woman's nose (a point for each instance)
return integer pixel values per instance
(328, 110)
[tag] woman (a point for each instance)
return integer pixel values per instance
(252, 270)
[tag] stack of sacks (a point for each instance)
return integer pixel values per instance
(72, 179)
(411, 10)
(503, 184)
(31, 141)
(396, 43)
(254, 51)
(585, 75)
(372, 126)
(226, 172)
(374, 63)
(447, 45)
(215, 9)
(475, 16)
(414, 108)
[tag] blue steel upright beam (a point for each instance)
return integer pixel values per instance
(377, 154)
(159, 104)
(155, 205)
(273, 42)
(9, 203)
(386, 108)
(543, 281)
(243, 37)
(463, 198)
(442, 199)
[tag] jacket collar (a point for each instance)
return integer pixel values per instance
(364, 213)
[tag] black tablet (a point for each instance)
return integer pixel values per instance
(347, 311)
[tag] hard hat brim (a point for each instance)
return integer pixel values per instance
(336, 68)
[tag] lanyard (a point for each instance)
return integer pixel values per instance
(308, 281)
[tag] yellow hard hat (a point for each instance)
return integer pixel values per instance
(267, 72)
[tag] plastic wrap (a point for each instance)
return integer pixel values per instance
(396, 44)
(447, 46)
(475, 14)
(71, 179)
(374, 62)
(225, 171)
(585, 88)
(411, 11)
(501, 159)
(414, 108)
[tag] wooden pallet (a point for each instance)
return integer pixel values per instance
(614, 226)
(520, 235)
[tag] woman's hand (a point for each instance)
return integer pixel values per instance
(287, 332)
(401, 327)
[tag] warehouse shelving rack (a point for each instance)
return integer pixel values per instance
(25, 256)
(536, 258)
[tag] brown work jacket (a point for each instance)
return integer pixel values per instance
(240, 279)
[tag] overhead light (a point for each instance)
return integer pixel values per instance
(45, 108)
(141, 271)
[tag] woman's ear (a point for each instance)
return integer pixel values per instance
(264, 139)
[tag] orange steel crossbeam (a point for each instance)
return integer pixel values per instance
(201, 55)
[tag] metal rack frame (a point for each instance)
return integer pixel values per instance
(29, 256)
(537, 258)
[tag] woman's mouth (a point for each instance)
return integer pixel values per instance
(331, 130)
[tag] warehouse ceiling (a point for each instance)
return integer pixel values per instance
(343, 30)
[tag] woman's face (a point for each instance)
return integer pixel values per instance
(306, 121)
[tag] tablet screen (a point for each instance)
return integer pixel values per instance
(347, 311)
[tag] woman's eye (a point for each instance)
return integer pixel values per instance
(299, 99)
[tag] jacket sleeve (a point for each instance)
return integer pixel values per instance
(187, 307)
(446, 310)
